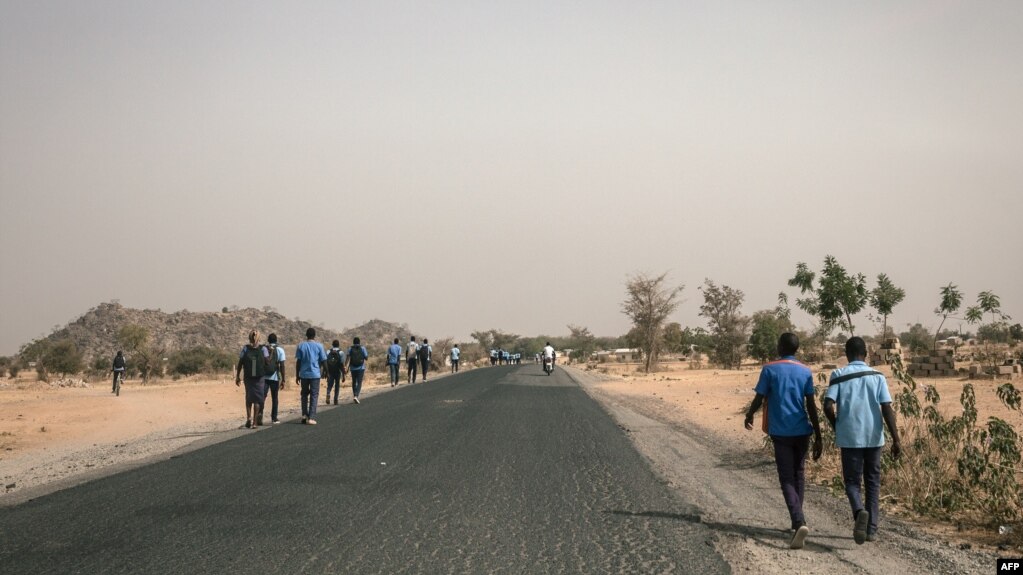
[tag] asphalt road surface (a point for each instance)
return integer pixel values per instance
(495, 470)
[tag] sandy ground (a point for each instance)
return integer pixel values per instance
(682, 420)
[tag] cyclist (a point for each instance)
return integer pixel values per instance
(118, 369)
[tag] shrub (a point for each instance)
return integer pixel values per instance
(200, 359)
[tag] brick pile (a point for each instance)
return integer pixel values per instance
(890, 348)
(939, 363)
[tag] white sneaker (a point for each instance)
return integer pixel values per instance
(311, 422)
(799, 537)
(357, 400)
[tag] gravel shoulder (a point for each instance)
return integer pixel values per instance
(736, 489)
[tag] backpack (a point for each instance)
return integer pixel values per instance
(334, 362)
(356, 357)
(273, 364)
(424, 353)
(253, 362)
(119, 362)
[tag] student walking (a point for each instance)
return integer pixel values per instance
(273, 383)
(791, 415)
(357, 366)
(393, 359)
(412, 358)
(455, 353)
(863, 401)
(335, 371)
(254, 360)
(309, 357)
(425, 355)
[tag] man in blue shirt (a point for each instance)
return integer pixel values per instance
(274, 382)
(357, 367)
(393, 360)
(455, 354)
(309, 356)
(863, 401)
(791, 415)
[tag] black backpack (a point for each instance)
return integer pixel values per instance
(119, 362)
(334, 362)
(356, 357)
(424, 353)
(253, 362)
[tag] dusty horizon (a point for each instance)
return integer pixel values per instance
(461, 167)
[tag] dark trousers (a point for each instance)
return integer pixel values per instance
(333, 382)
(357, 375)
(454, 365)
(413, 364)
(863, 465)
(310, 395)
(273, 387)
(426, 366)
(790, 458)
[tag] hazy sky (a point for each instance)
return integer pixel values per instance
(468, 165)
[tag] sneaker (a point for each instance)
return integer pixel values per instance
(305, 419)
(248, 424)
(357, 400)
(860, 527)
(311, 422)
(799, 537)
(871, 536)
(335, 402)
(276, 421)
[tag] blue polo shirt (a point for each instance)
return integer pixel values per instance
(394, 354)
(858, 407)
(309, 355)
(786, 383)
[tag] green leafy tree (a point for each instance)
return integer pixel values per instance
(834, 297)
(917, 338)
(62, 357)
(951, 300)
(884, 298)
(648, 304)
(1016, 332)
(673, 338)
(988, 302)
(134, 339)
(728, 327)
(581, 341)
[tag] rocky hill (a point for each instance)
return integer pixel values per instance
(95, 332)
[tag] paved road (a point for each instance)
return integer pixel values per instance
(496, 470)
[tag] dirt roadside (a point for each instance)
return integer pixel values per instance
(735, 487)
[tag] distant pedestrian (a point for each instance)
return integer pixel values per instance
(119, 368)
(357, 356)
(493, 357)
(393, 359)
(309, 357)
(425, 355)
(335, 370)
(863, 402)
(791, 414)
(412, 358)
(253, 360)
(455, 353)
(274, 382)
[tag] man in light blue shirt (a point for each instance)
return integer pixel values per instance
(455, 354)
(309, 356)
(357, 367)
(393, 360)
(863, 401)
(275, 381)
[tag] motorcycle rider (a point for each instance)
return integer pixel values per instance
(548, 354)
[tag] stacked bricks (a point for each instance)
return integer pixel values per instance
(889, 349)
(940, 363)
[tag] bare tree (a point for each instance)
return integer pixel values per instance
(649, 303)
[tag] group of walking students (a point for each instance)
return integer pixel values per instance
(856, 403)
(262, 369)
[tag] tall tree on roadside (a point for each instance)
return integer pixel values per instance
(836, 297)
(884, 298)
(648, 304)
(581, 341)
(134, 339)
(766, 326)
(951, 300)
(728, 327)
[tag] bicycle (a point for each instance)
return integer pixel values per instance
(117, 383)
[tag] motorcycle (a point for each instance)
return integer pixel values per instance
(548, 365)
